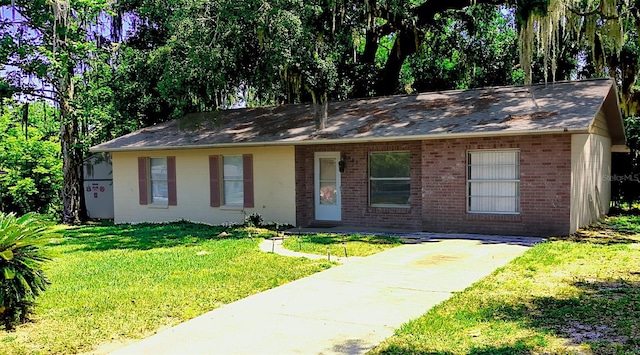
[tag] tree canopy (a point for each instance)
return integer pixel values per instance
(204, 53)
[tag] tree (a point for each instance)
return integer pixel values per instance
(32, 161)
(325, 50)
(475, 47)
(48, 46)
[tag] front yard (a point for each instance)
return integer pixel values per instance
(117, 283)
(571, 295)
(111, 284)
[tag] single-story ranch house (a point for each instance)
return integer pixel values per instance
(521, 160)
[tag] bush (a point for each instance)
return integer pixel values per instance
(21, 276)
(254, 220)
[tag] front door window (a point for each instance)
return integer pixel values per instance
(327, 186)
(327, 181)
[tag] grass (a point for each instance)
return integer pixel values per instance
(570, 295)
(341, 245)
(573, 295)
(117, 283)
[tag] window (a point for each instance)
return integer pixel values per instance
(232, 180)
(327, 181)
(493, 180)
(389, 179)
(158, 181)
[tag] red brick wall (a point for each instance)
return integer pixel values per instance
(438, 186)
(355, 185)
(545, 186)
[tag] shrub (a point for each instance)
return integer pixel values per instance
(21, 258)
(254, 220)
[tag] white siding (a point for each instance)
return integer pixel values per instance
(274, 187)
(590, 185)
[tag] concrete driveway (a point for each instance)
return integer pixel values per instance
(348, 309)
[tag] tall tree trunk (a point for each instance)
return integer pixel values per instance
(371, 46)
(320, 109)
(406, 44)
(25, 120)
(74, 209)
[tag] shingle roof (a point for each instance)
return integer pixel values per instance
(554, 107)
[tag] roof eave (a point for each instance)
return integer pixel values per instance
(97, 148)
(613, 114)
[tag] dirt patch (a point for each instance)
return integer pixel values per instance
(601, 234)
(438, 259)
(585, 333)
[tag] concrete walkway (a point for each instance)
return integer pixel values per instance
(348, 309)
(275, 246)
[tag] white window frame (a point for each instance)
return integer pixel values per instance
(229, 179)
(371, 179)
(152, 200)
(495, 181)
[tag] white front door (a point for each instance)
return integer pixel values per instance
(327, 186)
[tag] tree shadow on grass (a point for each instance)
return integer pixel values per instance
(605, 316)
(602, 234)
(144, 236)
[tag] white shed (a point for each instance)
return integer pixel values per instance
(98, 186)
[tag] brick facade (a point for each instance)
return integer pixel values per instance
(545, 186)
(438, 186)
(355, 184)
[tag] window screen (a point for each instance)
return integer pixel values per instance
(494, 181)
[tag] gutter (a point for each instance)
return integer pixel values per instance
(96, 149)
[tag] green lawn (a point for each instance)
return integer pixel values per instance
(116, 283)
(341, 245)
(576, 294)
(573, 295)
